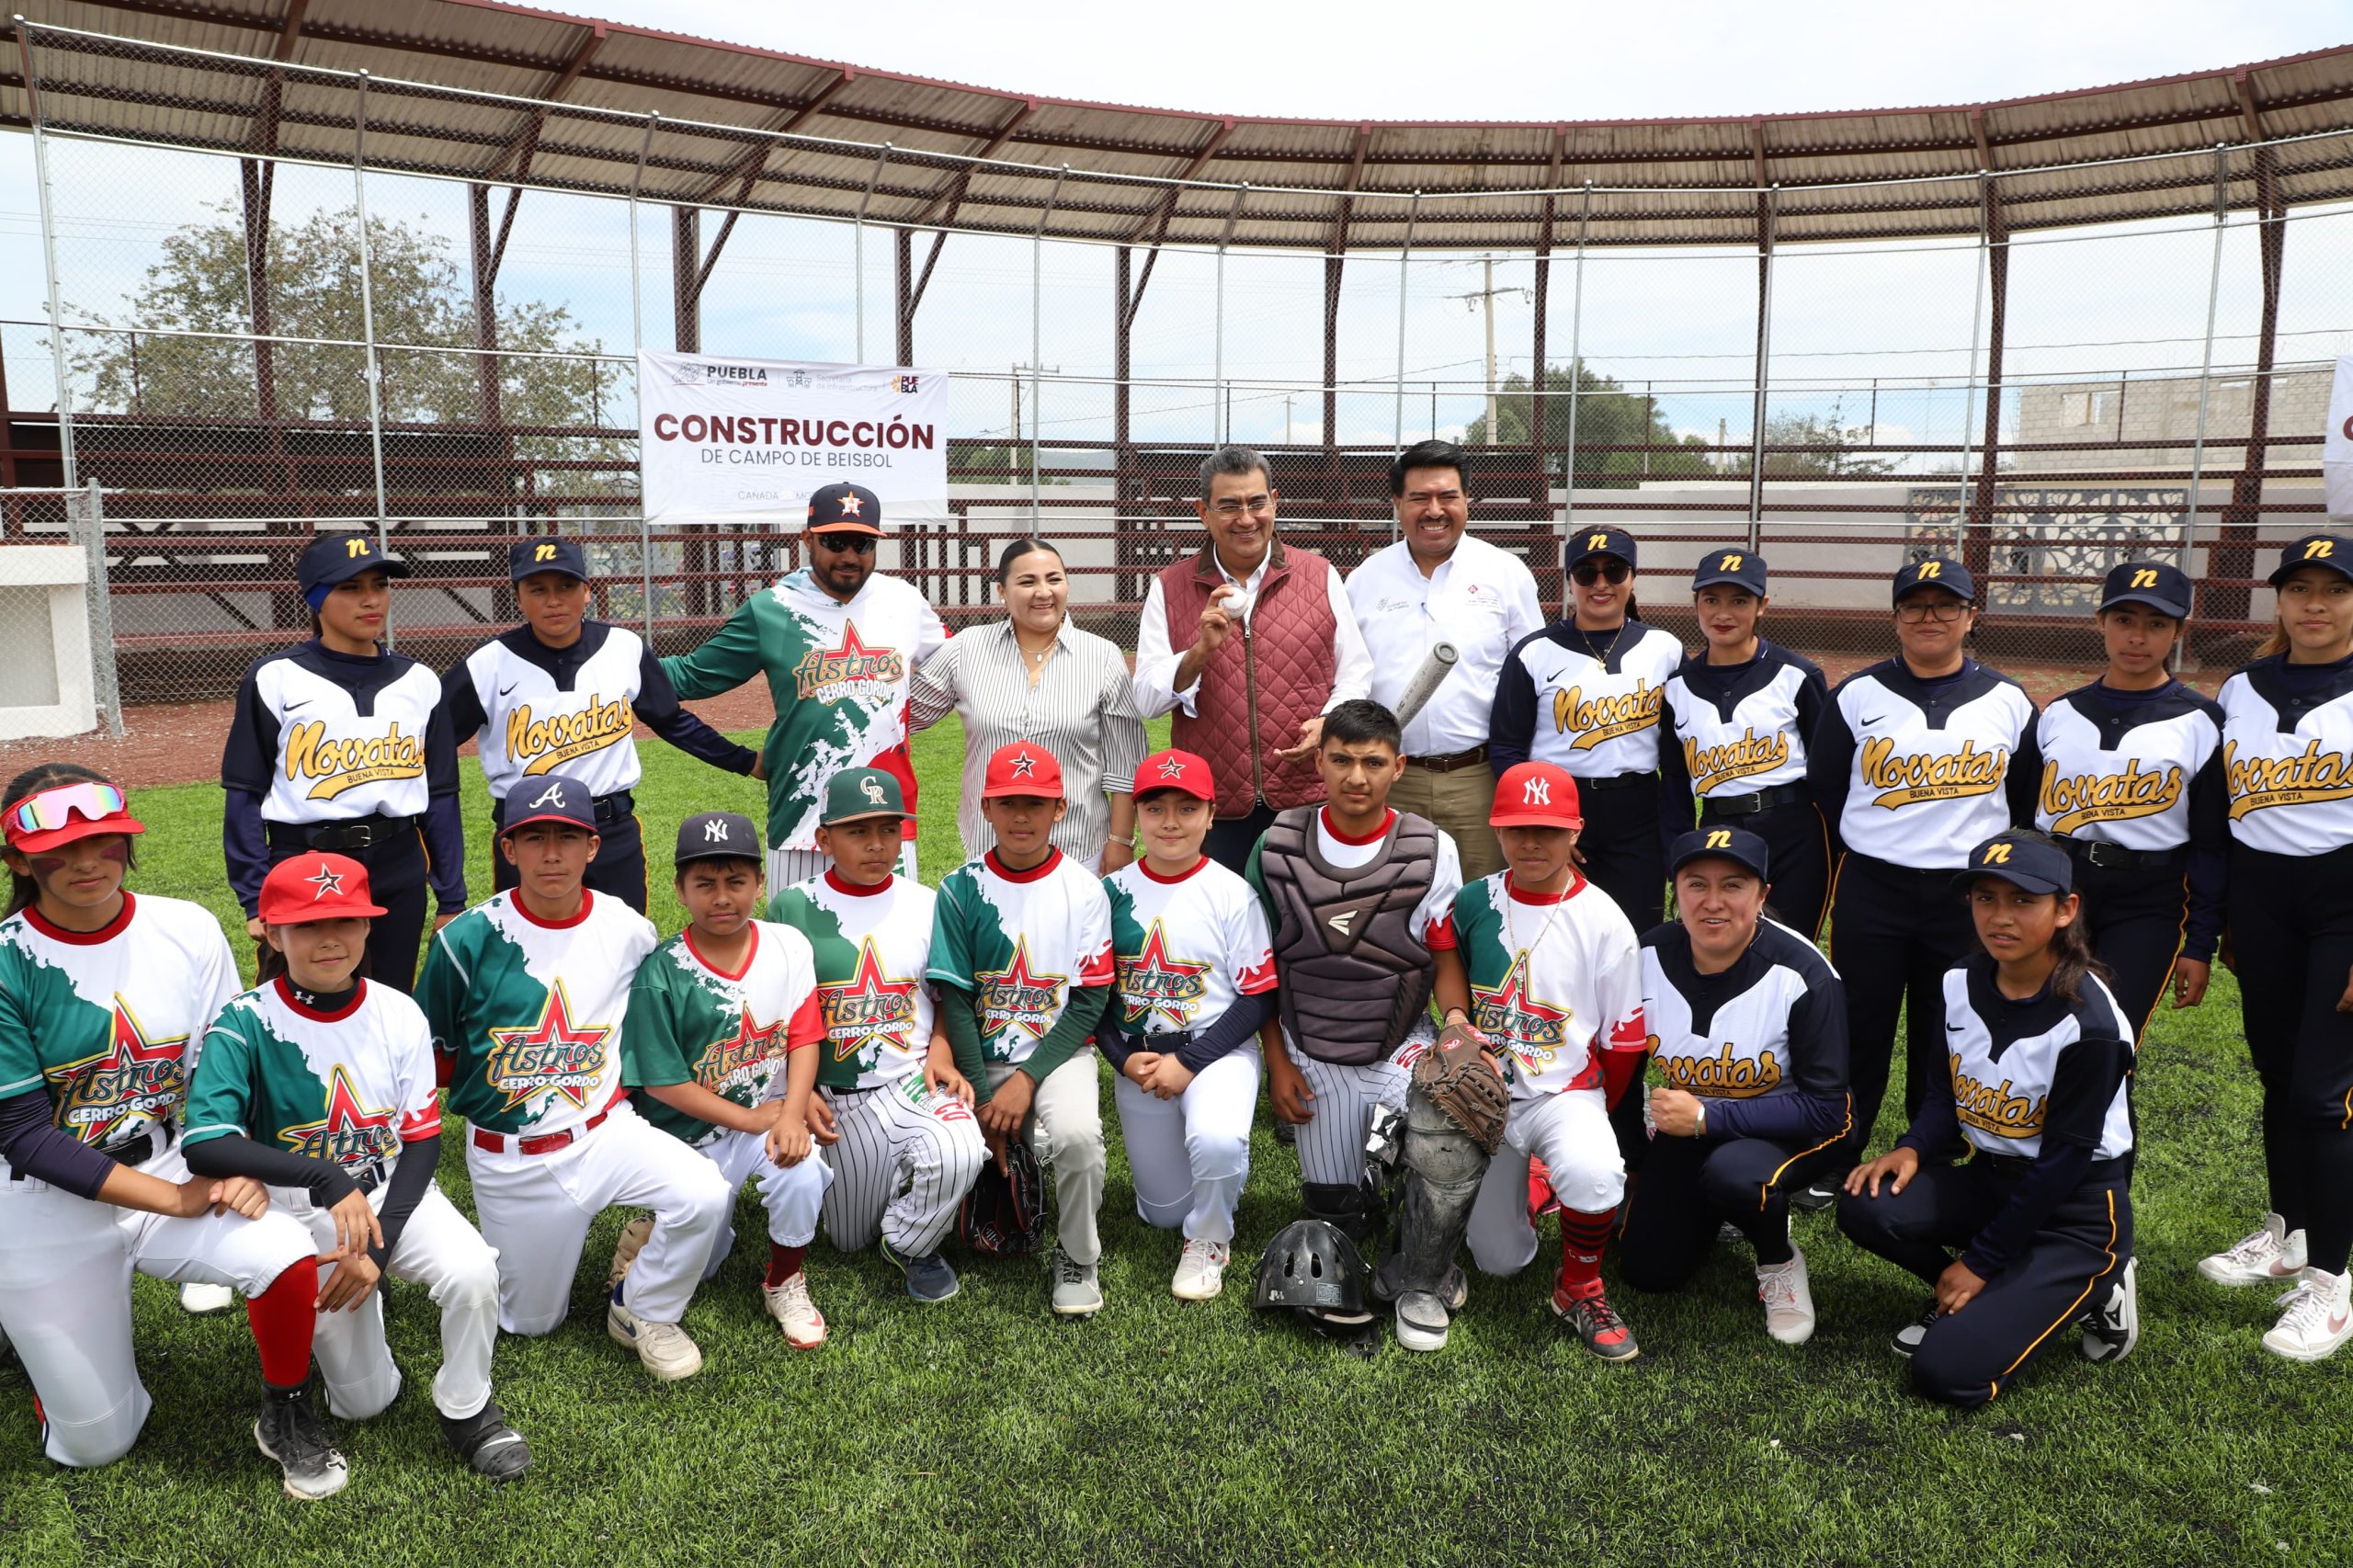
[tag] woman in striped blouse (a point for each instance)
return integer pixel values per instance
(1034, 676)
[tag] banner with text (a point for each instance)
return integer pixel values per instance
(725, 440)
(2337, 450)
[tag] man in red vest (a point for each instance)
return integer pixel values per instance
(1251, 642)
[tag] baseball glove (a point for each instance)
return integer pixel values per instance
(1004, 1212)
(1454, 1075)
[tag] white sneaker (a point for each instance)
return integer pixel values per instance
(1788, 1299)
(2114, 1327)
(633, 1238)
(2319, 1318)
(2273, 1255)
(788, 1303)
(1421, 1321)
(1200, 1272)
(199, 1300)
(664, 1347)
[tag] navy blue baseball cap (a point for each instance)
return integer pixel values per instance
(1936, 572)
(844, 509)
(1584, 541)
(1742, 568)
(2163, 588)
(2032, 864)
(1734, 843)
(334, 558)
(2334, 552)
(526, 556)
(545, 799)
(717, 836)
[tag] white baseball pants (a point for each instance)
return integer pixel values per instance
(1190, 1155)
(791, 1194)
(905, 1159)
(1570, 1131)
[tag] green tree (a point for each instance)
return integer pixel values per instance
(1828, 434)
(1607, 415)
(977, 463)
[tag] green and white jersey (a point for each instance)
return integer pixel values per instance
(1020, 940)
(1185, 946)
(838, 673)
(693, 1022)
(109, 1023)
(1553, 976)
(348, 1087)
(530, 1013)
(870, 945)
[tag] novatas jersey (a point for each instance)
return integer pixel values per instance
(838, 673)
(348, 1087)
(2131, 773)
(1919, 773)
(2287, 758)
(1021, 942)
(1739, 729)
(327, 737)
(691, 1022)
(532, 1013)
(1553, 978)
(1185, 946)
(871, 947)
(109, 1023)
(1775, 1023)
(2010, 1066)
(1588, 702)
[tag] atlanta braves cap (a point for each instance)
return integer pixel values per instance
(313, 886)
(526, 556)
(2028, 863)
(2165, 589)
(1022, 769)
(548, 799)
(2332, 552)
(1935, 572)
(1734, 843)
(1742, 568)
(1536, 794)
(1175, 770)
(858, 793)
(844, 509)
(333, 557)
(717, 836)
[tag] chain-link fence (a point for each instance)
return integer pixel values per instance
(244, 342)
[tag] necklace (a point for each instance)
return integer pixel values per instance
(1037, 656)
(1606, 653)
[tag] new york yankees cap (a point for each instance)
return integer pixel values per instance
(1734, 843)
(717, 836)
(1023, 768)
(548, 799)
(313, 886)
(857, 793)
(2029, 863)
(844, 509)
(345, 553)
(2163, 588)
(1536, 794)
(2331, 552)
(526, 557)
(1179, 770)
(1742, 568)
(1935, 572)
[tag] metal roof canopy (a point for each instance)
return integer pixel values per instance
(528, 97)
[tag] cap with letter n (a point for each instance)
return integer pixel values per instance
(717, 836)
(1737, 845)
(528, 557)
(313, 886)
(857, 793)
(844, 509)
(2033, 864)
(1740, 568)
(1935, 572)
(2163, 588)
(1583, 542)
(337, 557)
(1023, 768)
(1536, 794)
(548, 799)
(1179, 770)
(2331, 553)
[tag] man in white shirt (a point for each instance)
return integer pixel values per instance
(1438, 583)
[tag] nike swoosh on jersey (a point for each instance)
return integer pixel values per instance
(1874, 718)
(508, 688)
(1955, 1029)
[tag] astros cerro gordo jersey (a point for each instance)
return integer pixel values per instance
(348, 1087)
(838, 673)
(690, 1021)
(1185, 946)
(871, 947)
(531, 1013)
(1553, 976)
(1021, 941)
(108, 1022)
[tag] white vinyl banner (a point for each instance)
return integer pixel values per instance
(2337, 449)
(725, 440)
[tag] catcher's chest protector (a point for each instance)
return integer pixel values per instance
(1355, 978)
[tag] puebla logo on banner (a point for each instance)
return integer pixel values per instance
(724, 438)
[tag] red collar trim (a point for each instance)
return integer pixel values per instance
(751, 951)
(1054, 858)
(848, 888)
(1375, 836)
(587, 902)
(1151, 875)
(293, 999)
(1576, 885)
(106, 933)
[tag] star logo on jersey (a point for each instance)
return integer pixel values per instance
(1151, 982)
(1527, 1030)
(1018, 997)
(868, 1008)
(136, 1078)
(824, 671)
(725, 1061)
(349, 1134)
(551, 1055)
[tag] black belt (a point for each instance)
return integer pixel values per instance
(1475, 757)
(2011, 1167)
(368, 1178)
(1617, 781)
(2110, 856)
(1752, 805)
(360, 832)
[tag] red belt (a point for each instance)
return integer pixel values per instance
(544, 1142)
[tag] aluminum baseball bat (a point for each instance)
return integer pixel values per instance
(1425, 681)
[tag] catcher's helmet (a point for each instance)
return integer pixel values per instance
(1310, 1264)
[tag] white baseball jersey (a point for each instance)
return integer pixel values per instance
(2287, 756)
(1738, 730)
(533, 1013)
(2119, 774)
(2006, 1058)
(1554, 977)
(1021, 942)
(1772, 1024)
(322, 738)
(1481, 599)
(691, 1022)
(1919, 773)
(534, 726)
(1185, 946)
(870, 947)
(1596, 717)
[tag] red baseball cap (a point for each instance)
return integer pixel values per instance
(1179, 770)
(1022, 769)
(82, 808)
(316, 887)
(1536, 794)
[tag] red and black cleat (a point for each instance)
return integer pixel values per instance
(1540, 1198)
(1595, 1321)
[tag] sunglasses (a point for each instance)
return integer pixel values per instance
(846, 544)
(1590, 572)
(52, 808)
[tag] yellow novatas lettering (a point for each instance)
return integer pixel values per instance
(542, 744)
(1932, 776)
(335, 766)
(2309, 776)
(1722, 1075)
(1991, 1108)
(1605, 717)
(1711, 765)
(2109, 797)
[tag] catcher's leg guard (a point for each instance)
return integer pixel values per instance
(1444, 1165)
(1352, 1209)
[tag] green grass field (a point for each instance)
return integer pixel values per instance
(984, 1431)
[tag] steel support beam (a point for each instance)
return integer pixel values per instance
(903, 257)
(1977, 532)
(2233, 556)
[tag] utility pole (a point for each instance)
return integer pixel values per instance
(1014, 441)
(1484, 298)
(1286, 397)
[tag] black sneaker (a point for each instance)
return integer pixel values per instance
(1907, 1338)
(289, 1432)
(489, 1446)
(2113, 1328)
(1810, 1199)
